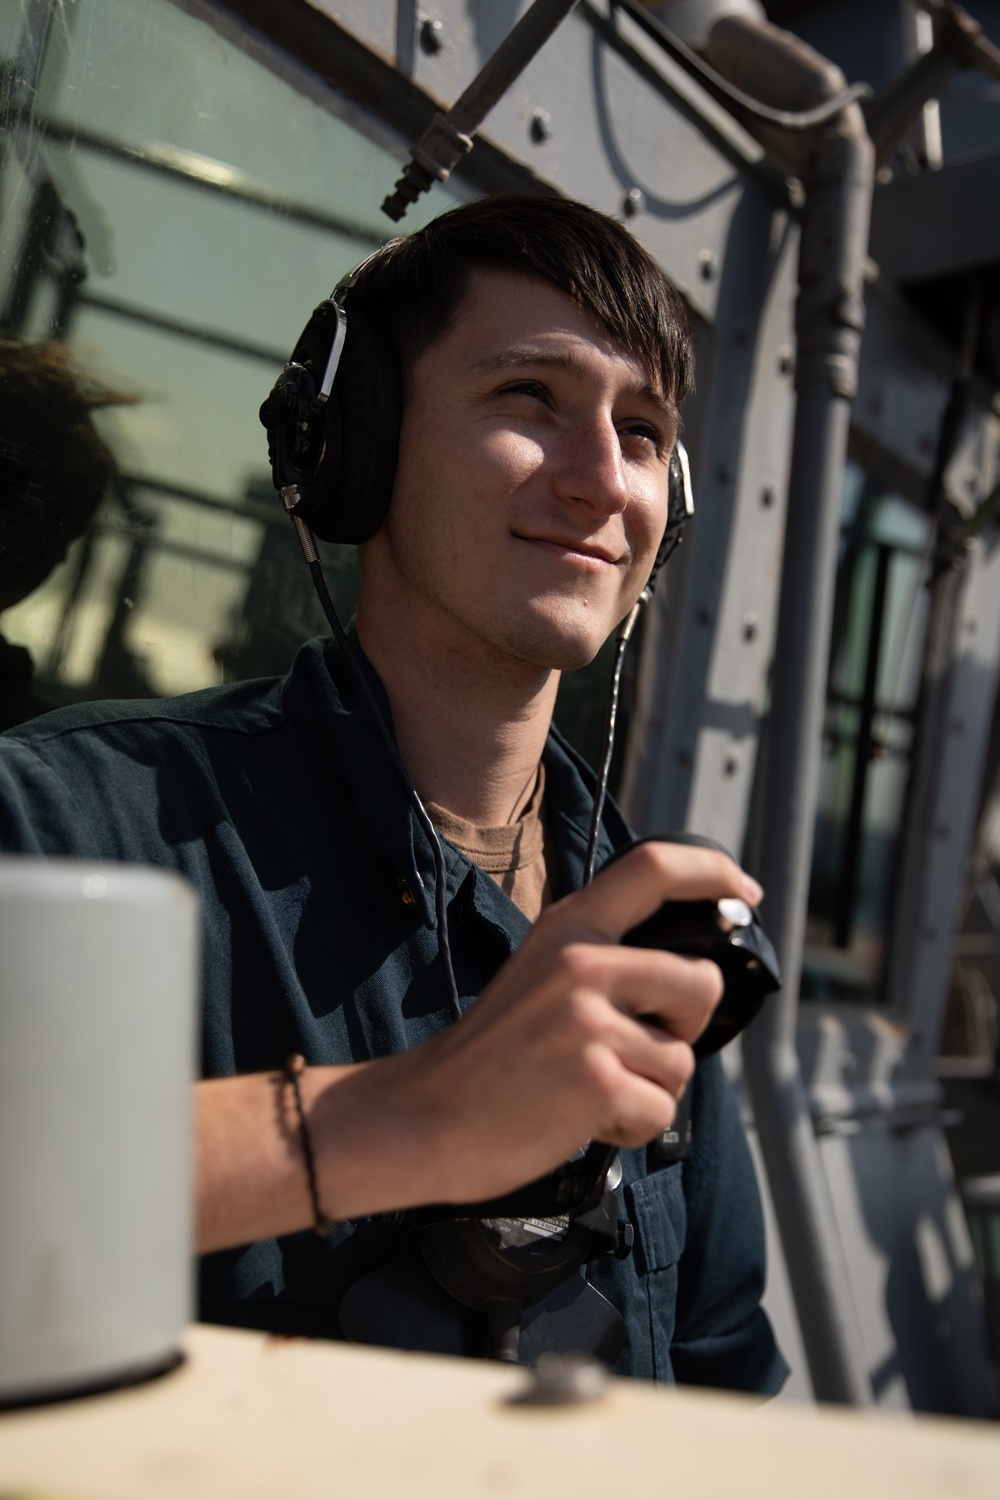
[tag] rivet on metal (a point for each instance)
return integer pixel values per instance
(431, 36)
(633, 203)
(540, 127)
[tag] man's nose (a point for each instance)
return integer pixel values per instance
(591, 469)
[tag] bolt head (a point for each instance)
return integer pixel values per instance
(431, 36)
(564, 1380)
(633, 203)
(540, 128)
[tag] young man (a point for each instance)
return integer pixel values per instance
(544, 361)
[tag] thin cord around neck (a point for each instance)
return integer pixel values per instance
(412, 795)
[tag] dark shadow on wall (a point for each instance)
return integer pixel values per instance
(932, 1297)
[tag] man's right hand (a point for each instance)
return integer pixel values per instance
(576, 1038)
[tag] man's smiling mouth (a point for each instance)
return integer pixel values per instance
(586, 551)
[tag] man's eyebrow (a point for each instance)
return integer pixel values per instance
(516, 356)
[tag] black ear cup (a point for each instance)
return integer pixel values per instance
(341, 456)
(356, 472)
(679, 509)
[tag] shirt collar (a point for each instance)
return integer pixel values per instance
(322, 696)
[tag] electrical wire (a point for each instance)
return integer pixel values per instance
(412, 795)
(601, 790)
(608, 748)
(727, 93)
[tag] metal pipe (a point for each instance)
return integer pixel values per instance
(449, 137)
(977, 49)
(508, 62)
(960, 43)
(892, 112)
(837, 179)
(795, 1171)
(725, 91)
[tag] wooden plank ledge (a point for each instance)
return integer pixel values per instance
(250, 1417)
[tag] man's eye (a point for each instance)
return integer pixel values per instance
(650, 436)
(526, 388)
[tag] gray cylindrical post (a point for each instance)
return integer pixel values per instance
(829, 319)
(796, 1177)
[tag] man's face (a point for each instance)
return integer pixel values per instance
(531, 493)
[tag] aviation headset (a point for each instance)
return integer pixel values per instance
(333, 421)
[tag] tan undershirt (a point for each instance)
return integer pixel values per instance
(519, 856)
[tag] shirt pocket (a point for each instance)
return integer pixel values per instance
(659, 1216)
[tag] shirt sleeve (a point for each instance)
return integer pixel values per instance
(722, 1335)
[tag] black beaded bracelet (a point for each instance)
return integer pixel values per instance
(295, 1066)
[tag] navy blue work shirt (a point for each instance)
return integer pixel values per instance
(277, 801)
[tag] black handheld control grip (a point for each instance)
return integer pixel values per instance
(726, 931)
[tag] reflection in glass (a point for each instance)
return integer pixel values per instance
(172, 209)
(880, 620)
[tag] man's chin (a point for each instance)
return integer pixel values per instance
(552, 646)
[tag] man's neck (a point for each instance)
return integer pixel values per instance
(470, 722)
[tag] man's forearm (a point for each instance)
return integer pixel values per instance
(251, 1177)
(250, 1180)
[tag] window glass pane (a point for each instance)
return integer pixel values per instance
(880, 620)
(172, 208)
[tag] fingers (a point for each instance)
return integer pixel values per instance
(678, 993)
(656, 1055)
(578, 1037)
(638, 884)
(641, 1101)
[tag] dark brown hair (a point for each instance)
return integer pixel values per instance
(54, 465)
(416, 286)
